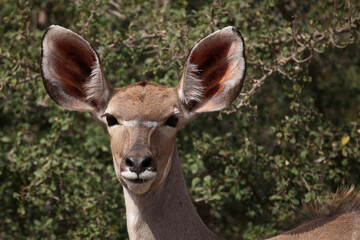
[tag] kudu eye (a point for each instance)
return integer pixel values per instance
(111, 120)
(172, 121)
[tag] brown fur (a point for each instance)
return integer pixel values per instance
(337, 217)
(151, 102)
(344, 226)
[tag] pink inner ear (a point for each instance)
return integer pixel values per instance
(212, 64)
(215, 52)
(72, 60)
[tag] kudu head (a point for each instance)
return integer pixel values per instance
(142, 119)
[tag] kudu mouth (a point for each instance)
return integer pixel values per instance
(138, 183)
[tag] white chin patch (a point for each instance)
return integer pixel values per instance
(138, 185)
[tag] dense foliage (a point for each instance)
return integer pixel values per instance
(292, 135)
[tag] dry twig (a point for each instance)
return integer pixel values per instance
(301, 44)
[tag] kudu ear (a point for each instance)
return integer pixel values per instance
(214, 72)
(72, 73)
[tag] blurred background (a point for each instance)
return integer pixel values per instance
(291, 137)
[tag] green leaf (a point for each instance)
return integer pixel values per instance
(195, 182)
(294, 201)
(308, 197)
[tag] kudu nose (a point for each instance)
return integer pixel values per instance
(139, 164)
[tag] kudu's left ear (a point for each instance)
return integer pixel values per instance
(72, 73)
(214, 72)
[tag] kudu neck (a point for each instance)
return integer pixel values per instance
(167, 212)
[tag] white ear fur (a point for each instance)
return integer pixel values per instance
(195, 89)
(214, 72)
(97, 87)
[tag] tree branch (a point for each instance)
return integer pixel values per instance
(301, 44)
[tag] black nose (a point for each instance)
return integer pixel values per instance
(139, 164)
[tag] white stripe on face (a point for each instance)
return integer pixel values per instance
(133, 123)
(150, 124)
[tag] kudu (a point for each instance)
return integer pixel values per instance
(142, 120)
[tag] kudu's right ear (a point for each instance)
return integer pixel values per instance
(72, 73)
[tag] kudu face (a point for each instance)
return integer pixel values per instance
(142, 124)
(142, 119)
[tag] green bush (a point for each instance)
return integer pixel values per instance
(291, 136)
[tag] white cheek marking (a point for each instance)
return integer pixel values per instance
(146, 175)
(129, 175)
(131, 123)
(150, 124)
